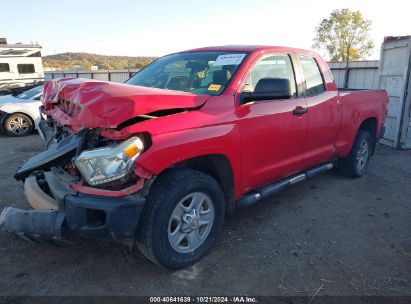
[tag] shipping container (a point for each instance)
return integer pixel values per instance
(394, 76)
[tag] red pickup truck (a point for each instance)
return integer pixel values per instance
(161, 160)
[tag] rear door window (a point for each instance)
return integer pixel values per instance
(312, 75)
(26, 68)
(272, 66)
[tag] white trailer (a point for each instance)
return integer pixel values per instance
(20, 66)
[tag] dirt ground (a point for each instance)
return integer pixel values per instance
(331, 234)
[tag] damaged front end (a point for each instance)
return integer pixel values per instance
(69, 201)
(87, 182)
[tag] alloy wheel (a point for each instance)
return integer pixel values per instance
(19, 125)
(190, 222)
(362, 155)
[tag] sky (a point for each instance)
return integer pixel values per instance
(160, 27)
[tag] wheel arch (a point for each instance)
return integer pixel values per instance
(370, 125)
(218, 166)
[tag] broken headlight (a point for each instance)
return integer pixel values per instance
(103, 165)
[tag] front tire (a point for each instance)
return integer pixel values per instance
(356, 163)
(183, 216)
(17, 125)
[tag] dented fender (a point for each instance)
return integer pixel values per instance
(166, 152)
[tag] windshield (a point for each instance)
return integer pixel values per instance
(198, 72)
(29, 94)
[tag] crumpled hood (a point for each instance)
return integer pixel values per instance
(82, 103)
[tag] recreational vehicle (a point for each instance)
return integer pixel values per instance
(20, 67)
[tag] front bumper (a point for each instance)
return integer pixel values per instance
(88, 216)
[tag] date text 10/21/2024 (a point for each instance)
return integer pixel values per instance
(204, 299)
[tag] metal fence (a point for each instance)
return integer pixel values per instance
(104, 75)
(359, 75)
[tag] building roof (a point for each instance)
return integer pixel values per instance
(18, 46)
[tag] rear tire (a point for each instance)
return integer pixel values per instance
(183, 216)
(17, 125)
(356, 163)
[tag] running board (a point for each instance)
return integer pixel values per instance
(268, 190)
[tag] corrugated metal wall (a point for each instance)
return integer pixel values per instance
(362, 74)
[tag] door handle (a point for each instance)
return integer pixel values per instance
(299, 110)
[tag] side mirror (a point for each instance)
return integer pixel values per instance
(268, 89)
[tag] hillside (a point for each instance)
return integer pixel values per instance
(66, 61)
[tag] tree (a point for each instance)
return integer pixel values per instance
(345, 36)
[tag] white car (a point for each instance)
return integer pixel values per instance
(20, 114)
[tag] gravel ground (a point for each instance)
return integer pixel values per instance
(330, 234)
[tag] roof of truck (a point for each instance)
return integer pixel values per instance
(249, 48)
